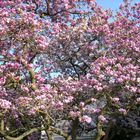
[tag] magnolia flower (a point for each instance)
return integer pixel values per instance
(40, 97)
(25, 89)
(85, 118)
(102, 118)
(93, 110)
(138, 100)
(82, 104)
(68, 100)
(5, 104)
(133, 89)
(93, 99)
(115, 99)
(123, 111)
(138, 80)
(74, 114)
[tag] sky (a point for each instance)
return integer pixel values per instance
(113, 4)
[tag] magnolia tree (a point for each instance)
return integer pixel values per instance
(93, 52)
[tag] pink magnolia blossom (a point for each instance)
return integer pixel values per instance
(93, 99)
(85, 119)
(74, 114)
(138, 100)
(68, 100)
(5, 104)
(82, 104)
(102, 118)
(115, 99)
(123, 111)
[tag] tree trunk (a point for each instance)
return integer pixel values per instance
(108, 131)
(67, 138)
(98, 136)
(49, 135)
(100, 132)
(74, 128)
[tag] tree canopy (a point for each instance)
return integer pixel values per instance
(95, 54)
